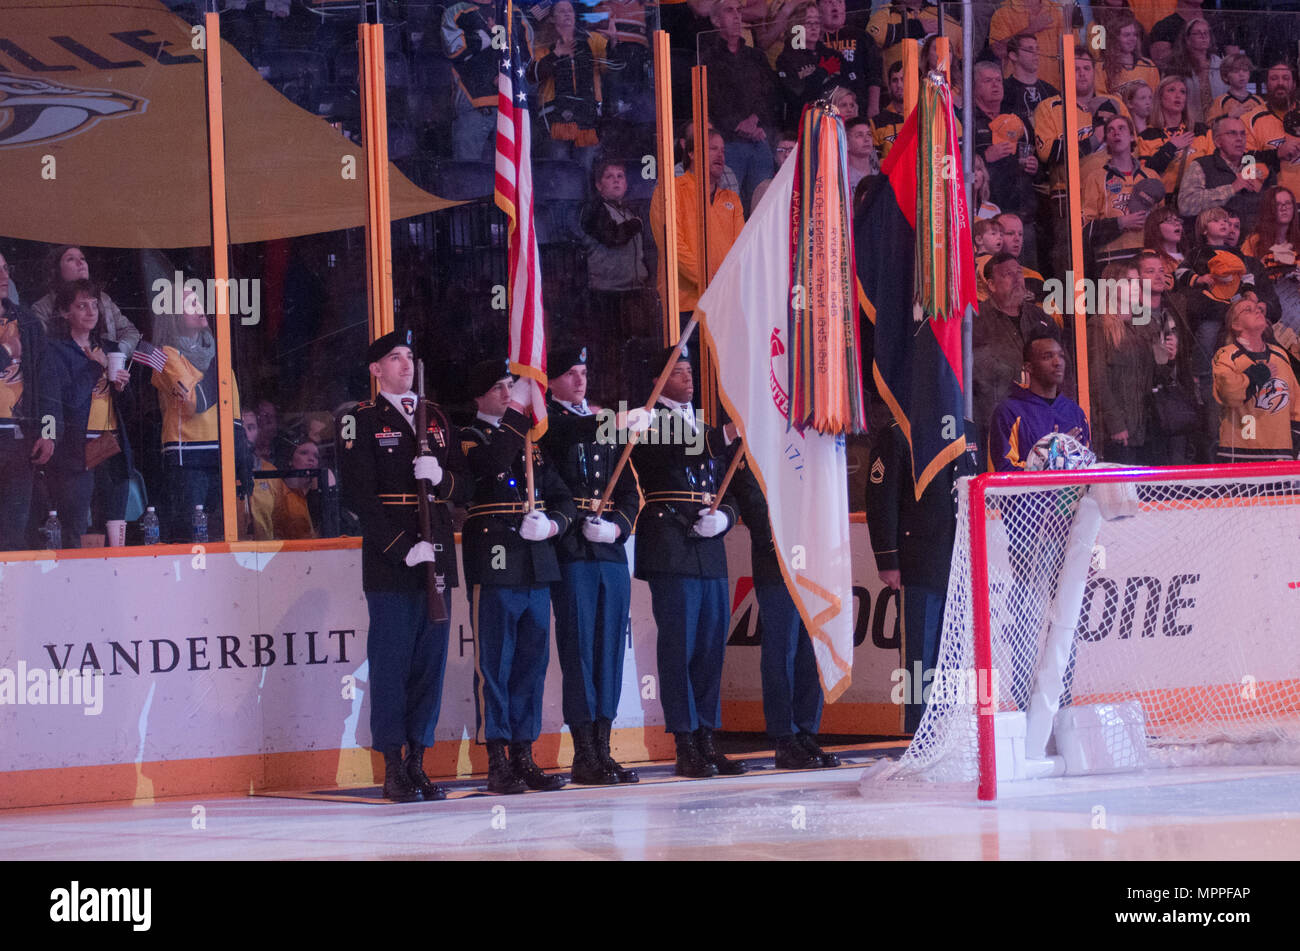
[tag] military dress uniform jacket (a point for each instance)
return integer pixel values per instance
(676, 485)
(379, 486)
(911, 536)
(585, 466)
(495, 553)
(764, 566)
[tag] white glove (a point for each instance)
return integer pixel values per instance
(598, 530)
(420, 552)
(710, 524)
(537, 527)
(636, 421)
(426, 467)
(521, 391)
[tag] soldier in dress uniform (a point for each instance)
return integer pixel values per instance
(510, 564)
(680, 553)
(593, 597)
(407, 652)
(792, 690)
(912, 539)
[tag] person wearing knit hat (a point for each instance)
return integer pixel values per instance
(382, 471)
(508, 544)
(593, 597)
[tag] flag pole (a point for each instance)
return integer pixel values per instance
(667, 186)
(649, 406)
(1070, 109)
(727, 477)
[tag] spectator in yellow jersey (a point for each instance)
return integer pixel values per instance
(1139, 99)
(297, 511)
(1266, 135)
(1238, 101)
(187, 395)
(1256, 390)
(1171, 140)
(1122, 60)
(1113, 217)
(910, 20)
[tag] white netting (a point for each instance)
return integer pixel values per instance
(1191, 607)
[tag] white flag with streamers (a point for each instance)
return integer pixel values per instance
(743, 315)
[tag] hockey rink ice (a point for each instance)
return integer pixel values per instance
(1211, 813)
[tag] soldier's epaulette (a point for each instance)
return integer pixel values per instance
(366, 404)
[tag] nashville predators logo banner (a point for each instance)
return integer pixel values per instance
(824, 358)
(104, 136)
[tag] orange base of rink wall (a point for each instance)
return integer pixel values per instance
(312, 769)
(875, 719)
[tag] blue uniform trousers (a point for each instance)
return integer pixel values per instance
(512, 645)
(591, 609)
(792, 692)
(922, 608)
(691, 615)
(407, 655)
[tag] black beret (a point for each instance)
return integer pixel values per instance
(386, 344)
(485, 374)
(682, 350)
(564, 359)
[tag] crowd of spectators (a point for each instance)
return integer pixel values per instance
(1189, 139)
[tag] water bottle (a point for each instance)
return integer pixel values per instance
(53, 532)
(200, 524)
(149, 526)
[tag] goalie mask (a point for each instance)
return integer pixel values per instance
(1057, 451)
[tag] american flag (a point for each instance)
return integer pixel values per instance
(514, 196)
(149, 355)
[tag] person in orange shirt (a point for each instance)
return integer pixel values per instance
(725, 217)
(1238, 101)
(1039, 18)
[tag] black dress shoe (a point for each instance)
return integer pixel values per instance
(725, 767)
(532, 775)
(790, 754)
(588, 768)
(397, 784)
(689, 761)
(414, 764)
(828, 760)
(602, 728)
(501, 778)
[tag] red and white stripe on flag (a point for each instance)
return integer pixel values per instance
(514, 196)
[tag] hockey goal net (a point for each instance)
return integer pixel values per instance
(1161, 603)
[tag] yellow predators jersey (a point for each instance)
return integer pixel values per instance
(1264, 133)
(1257, 422)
